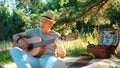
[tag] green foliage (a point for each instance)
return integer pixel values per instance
(71, 28)
(114, 12)
(26, 15)
(15, 23)
(62, 2)
(5, 23)
(116, 26)
(83, 27)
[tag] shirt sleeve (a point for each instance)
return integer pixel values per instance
(31, 32)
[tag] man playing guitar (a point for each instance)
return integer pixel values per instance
(22, 49)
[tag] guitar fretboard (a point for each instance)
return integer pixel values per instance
(44, 43)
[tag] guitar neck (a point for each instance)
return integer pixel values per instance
(44, 43)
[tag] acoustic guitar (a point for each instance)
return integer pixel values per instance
(39, 45)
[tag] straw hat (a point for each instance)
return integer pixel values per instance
(49, 15)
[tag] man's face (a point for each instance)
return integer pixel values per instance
(46, 24)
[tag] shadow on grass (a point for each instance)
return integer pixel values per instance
(78, 64)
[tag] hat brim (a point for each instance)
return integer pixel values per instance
(50, 20)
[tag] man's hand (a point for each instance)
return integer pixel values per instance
(58, 42)
(60, 48)
(23, 44)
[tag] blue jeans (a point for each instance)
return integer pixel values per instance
(24, 60)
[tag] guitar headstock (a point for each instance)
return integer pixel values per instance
(69, 37)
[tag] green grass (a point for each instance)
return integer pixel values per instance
(4, 52)
(5, 57)
(74, 48)
(79, 46)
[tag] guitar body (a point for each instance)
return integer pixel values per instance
(38, 51)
